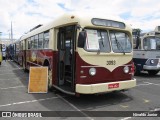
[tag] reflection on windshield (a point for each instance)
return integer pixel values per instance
(97, 40)
(120, 42)
(151, 43)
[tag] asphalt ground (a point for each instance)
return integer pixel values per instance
(14, 96)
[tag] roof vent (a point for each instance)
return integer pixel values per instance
(36, 27)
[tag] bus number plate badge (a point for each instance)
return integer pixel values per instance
(115, 85)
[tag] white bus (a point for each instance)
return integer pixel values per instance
(146, 55)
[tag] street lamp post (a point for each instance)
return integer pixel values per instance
(11, 33)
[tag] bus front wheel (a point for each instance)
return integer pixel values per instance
(136, 70)
(152, 72)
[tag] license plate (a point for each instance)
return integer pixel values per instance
(115, 85)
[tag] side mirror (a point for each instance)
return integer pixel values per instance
(81, 39)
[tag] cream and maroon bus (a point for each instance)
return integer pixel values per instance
(84, 55)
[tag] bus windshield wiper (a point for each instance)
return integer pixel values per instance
(119, 46)
(101, 39)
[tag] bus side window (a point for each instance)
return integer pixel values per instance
(46, 40)
(158, 44)
(32, 43)
(40, 42)
(29, 43)
(36, 41)
(81, 39)
(139, 44)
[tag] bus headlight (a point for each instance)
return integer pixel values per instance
(92, 71)
(152, 61)
(126, 69)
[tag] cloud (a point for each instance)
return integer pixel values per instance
(25, 14)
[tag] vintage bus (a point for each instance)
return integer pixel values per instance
(146, 55)
(1, 58)
(15, 50)
(84, 55)
(4, 47)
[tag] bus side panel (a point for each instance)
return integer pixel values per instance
(103, 75)
(20, 55)
(38, 57)
(44, 57)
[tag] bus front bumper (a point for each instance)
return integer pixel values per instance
(105, 87)
(146, 67)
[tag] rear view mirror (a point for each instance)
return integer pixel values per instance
(81, 39)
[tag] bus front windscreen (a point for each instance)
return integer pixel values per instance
(98, 40)
(120, 42)
(151, 43)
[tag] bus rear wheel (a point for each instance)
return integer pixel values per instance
(152, 72)
(46, 63)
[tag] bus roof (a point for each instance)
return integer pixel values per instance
(66, 19)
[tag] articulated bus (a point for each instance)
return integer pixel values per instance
(1, 58)
(146, 55)
(84, 55)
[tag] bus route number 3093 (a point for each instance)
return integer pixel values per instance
(111, 62)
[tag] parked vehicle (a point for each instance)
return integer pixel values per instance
(84, 55)
(146, 55)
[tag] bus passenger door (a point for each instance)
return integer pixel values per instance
(61, 55)
(66, 60)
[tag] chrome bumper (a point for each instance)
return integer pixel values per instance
(146, 67)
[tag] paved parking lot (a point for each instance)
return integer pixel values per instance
(14, 97)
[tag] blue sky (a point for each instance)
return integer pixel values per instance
(25, 14)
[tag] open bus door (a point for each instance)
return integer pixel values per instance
(66, 58)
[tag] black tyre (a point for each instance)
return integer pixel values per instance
(152, 72)
(50, 88)
(136, 71)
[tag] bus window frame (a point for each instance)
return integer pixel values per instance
(99, 50)
(40, 38)
(29, 43)
(32, 42)
(123, 50)
(46, 39)
(148, 39)
(36, 41)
